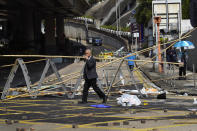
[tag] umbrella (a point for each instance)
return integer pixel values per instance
(185, 44)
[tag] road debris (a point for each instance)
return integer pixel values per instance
(128, 100)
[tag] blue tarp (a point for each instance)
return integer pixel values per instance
(101, 106)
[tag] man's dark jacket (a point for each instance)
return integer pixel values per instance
(90, 69)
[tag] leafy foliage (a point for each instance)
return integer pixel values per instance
(89, 17)
(144, 12)
(185, 9)
(125, 29)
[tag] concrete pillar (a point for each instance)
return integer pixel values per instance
(50, 35)
(21, 29)
(60, 34)
(5, 25)
(38, 36)
(28, 26)
(13, 30)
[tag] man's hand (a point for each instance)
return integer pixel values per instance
(86, 57)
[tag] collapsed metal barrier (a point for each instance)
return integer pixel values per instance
(34, 92)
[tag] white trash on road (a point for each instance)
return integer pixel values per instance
(128, 100)
(195, 101)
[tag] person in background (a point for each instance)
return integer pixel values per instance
(171, 55)
(182, 58)
(90, 77)
(130, 58)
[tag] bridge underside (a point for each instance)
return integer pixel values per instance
(20, 22)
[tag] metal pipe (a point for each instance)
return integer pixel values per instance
(159, 46)
(167, 16)
(194, 70)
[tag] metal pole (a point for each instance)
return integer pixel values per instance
(174, 76)
(132, 42)
(133, 79)
(180, 18)
(159, 49)
(167, 27)
(119, 19)
(116, 16)
(194, 70)
(158, 21)
(111, 84)
(167, 16)
(136, 46)
(156, 49)
(165, 65)
(179, 36)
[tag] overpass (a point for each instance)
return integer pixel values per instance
(20, 22)
(106, 11)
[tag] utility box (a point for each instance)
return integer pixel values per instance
(170, 12)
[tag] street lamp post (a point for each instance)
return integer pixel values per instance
(157, 21)
(116, 15)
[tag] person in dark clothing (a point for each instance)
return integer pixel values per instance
(171, 56)
(90, 77)
(182, 68)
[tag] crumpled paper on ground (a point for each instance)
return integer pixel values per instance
(128, 100)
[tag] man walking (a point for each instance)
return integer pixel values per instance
(90, 77)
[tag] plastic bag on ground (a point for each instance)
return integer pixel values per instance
(128, 100)
(150, 91)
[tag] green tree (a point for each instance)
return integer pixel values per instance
(185, 9)
(144, 12)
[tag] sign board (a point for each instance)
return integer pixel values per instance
(134, 28)
(136, 35)
(133, 12)
(170, 12)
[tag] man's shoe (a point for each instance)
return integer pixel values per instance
(105, 100)
(83, 102)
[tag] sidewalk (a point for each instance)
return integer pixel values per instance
(171, 85)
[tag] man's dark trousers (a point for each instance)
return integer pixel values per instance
(182, 72)
(131, 67)
(90, 77)
(87, 85)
